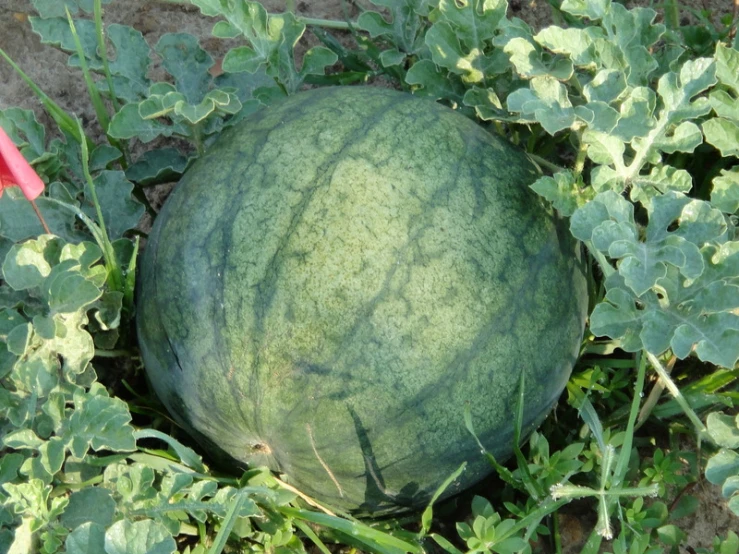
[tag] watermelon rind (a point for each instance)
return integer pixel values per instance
(339, 277)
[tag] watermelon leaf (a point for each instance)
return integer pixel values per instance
(691, 315)
(725, 193)
(129, 60)
(272, 39)
(187, 63)
(140, 537)
(55, 8)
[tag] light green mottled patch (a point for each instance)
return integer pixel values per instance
(339, 276)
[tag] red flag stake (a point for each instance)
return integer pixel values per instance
(16, 171)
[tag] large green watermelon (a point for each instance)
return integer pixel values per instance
(339, 276)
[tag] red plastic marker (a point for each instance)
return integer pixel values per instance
(15, 171)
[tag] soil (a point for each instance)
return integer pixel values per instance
(48, 68)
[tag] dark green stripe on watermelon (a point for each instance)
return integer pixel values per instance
(338, 276)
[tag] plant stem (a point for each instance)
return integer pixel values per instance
(554, 168)
(197, 137)
(633, 169)
(605, 267)
(679, 398)
(40, 217)
(581, 156)
(114, 271)
(326, 23)
(654, 395)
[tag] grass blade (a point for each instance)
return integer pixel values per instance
(503, 472)
(63, 119)
(97, 101)
(102, 48)
(679, 398)
(531, 485)
(355, 529)
(308, 532)
(228, 524)
(428, 513)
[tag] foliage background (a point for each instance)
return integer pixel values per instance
(49, 69)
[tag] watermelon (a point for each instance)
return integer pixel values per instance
(340, 277)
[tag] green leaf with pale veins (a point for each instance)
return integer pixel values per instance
(154, 166)
(19, 222)
(32, 498)
(724, 429)
(9, 320)
(447, 51)
(391, 58)
(529, 62)
(129, 66)
(88, 538)
(128, 123)
(678, 90)
(605, 149)
(634, 33)
(642, 264)
(93, 505)
(317, 59)
(545, 101)
(141, 537)
(44, 327)
(128, 59)
(98, 422)
(19, 339)
(574, 43)
(28, 264)
(660, 179)
(723, 134)
(563, 190)
(86, 254)
(688, 315)
(57, 8)
(433, 82)
(606, 208)
(187, 62)
(215, 102)
(722, 466)
(134, 483)
(635, 115)
(606, 86)
(25, 132)
(592, 9)
(686, 137)
(725, 193)
(56, 31)
(724, 104)
(474, 21)
(598, 115)
(22, 438)
(68, 291)
(406, 24)
(727, 66)
(487, 105)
